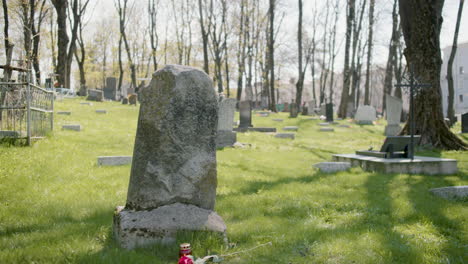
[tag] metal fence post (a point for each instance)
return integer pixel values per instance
(28, 105)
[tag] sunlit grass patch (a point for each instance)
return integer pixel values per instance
(57, 204)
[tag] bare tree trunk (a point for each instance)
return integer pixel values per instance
(53, 42)
(369, 52)
(241, 46)
(121, 70)
(346, 75)
(387, 89)
(300, 79)
(451, 92)
(271, 52)
(205, 35)
(62, 40)
(421, 23)
(122, 11)
(8, 44)
(153, 13)
(80, 58)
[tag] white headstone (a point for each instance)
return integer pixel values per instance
(365, 114)
(227, 108)
(394, 108)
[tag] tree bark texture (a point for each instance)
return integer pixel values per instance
(62, 39)
(370, 43)
(346, 74)
(271, 53)
(392, 53)
(421, 22)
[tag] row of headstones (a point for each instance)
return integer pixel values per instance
(77, 127)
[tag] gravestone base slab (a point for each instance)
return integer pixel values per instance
(72, 127)
(420, 165)
(451, 192)
(64, 113)
(291, 128)
(392, 130)
(256, 129)
(330, 167)
(133, 229)
(225, 138)
(114, 160)
(285, 135)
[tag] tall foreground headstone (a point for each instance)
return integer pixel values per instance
(394, 108)
(173, 178)
(225, 136)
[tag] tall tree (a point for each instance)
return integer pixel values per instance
(421, 23)
(205, 34)
(369, 52)
(271, 53)
(122, 9)
(241, 49)
(346, 73)
(450, 108)
(8, 43)
(36, 35)
(392, 53)
(301, 69)
(62, 40)
(153, 7)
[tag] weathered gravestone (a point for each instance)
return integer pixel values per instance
(110, 91)
(245, 114)
(294, 110)
(286, 107)
(225, 136)
(173, 177)
(125, 100)
(329, 112)
(95, 95)
(394, 107)
(365, 115)
(464, 123)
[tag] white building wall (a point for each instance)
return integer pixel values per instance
(460, 78)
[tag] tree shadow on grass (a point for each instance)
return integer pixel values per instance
(425, 208)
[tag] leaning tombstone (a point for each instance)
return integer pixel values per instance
(225, 136)
(173, 177)
(394, 106)
(95, 95)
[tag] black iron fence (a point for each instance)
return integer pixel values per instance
(26, 111)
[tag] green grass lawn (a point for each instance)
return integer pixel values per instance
(56, 204)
